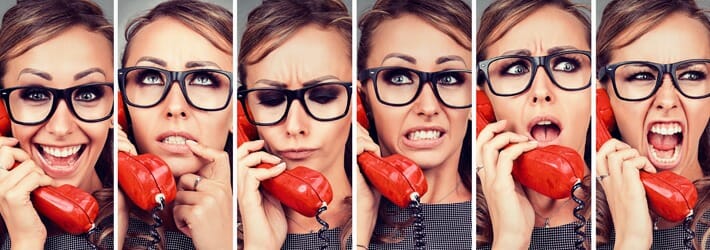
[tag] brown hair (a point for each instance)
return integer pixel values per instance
(619, 19)
(30, 23)
(453, 18)
(496, 21)
(212, 22)
(272, 23)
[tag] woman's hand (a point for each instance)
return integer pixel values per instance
(512, 215)
(255, 207)
(124, 145)
(368, 198)
(203, 205)
(24, 226)
(625, 193)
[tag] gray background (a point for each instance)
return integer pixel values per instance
(246, 6)
(128, 10)
(106, 6)
(482, 4)
(705, 4)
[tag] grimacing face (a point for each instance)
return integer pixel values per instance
(299, 139)
(667, 42)
(167, 43)
(545, 112)
(395, 42)
(66, 148)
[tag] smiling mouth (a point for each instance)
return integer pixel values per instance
(60, 156)
(545, 131)
(419, 135)
(665, 140)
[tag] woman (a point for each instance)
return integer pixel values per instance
(533, 109)
(665, 123)
(187, 124)
(56, 70)
(425, 120)
(298, 96)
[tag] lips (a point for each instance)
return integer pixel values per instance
(665, 139)
(296, 154)
(545, 129)
(59, 161)
(174, 141)
(424, 137)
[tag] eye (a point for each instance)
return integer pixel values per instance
(641, 76)
(270, 98)
(451, 78)
(150, 77)
(324, 95)
(516, 68)
(566, 65)
(88, 94)
(203, 79)
(398, 77)
(36, 94)
(692, 76)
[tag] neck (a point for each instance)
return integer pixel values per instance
(91, 184)
(444, 184)
(692, 171)
(338, 211)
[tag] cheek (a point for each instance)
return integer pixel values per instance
(24, 134)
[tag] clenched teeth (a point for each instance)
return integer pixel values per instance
(174, 139)
(61, 151)
(666, 129)
(424, 135)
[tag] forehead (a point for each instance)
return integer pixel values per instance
(544, 28)
(675, 38)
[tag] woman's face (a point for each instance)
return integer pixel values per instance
(544, 112)
(64, 147)
(667, 42)
(299, 139)
(167, 43)
(425, 131)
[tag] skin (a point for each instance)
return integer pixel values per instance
(292, 64)
(622, 160)
(205, 213)
(62, 129)
(404, 35)
(513, 219)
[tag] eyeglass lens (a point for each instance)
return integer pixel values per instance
(205, 89)
(400, 86)
(34, 104)
(638, 80)
(513, 75)
(326, 101)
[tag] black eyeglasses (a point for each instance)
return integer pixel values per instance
(639, 80)
(204, 89)
(399, 86)
(32, 105)
(268, 106)
(511, 75)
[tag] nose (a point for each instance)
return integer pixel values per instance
(62, 121)
(177, 107)
(540, 89)
(426, 103)
(296, 120)
(667, 97)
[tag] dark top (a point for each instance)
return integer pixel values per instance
(446, 226)
(312, 241)
(559, 237)
(138, 236)
(68, 241)
(671, 238)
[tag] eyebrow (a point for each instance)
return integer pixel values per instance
(404, 57)
(525, 52)
(36, 72)
(282, 85)
(87, 72)
(152, 60)
(450, 58)
(197, 64)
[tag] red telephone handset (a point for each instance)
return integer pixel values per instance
(302, 189)
(399, 179)
(551, 170)
(145, 179)
(70, 208)
(670, 195)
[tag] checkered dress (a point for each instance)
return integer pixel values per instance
(311, 241)
(446, 226)
(173, 239)
(671, 238)
(559, 237)
(68, 241)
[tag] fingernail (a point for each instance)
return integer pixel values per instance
(191, 142)
(532, 142)
(281, 165)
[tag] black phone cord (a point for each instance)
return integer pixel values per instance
(581, 221)
(325, 241)
(417, 213)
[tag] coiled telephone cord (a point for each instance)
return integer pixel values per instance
(325, 241)
(158, 222)
(90, 234)
(688, 241)
(581, 221)
(418, 231)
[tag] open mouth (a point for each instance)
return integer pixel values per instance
(418, 135)
(665, 140)
(59, 161)
(175, 140)
(545, 130)
(424, 137)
